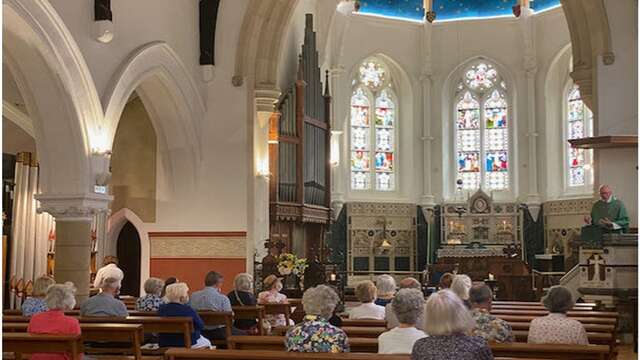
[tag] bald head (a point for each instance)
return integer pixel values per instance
(605, 192)
(409, 283)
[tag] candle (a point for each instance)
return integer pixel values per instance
(491, 278)
(333, 277)
(504, 225)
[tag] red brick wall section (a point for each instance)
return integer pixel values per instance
(192, 270)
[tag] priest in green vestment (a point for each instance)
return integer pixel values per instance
(609, 212)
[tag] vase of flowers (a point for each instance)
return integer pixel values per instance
(292, 268)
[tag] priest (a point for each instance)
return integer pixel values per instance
(609, 212)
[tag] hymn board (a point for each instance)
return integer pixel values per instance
(299, 144)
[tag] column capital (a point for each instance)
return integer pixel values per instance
(75, 207)
(266, 97)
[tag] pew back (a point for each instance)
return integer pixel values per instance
(24, 343)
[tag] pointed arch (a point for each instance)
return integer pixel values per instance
(116, 223)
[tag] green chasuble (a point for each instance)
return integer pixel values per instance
(613, 210)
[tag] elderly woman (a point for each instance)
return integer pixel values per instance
(242, 295)
(59, 298)
(35, 303)
(272, 295)
(386, 286)
(447, 324)
(178, 296)
(407, 305)
(168, 281)
(557, 328)
(314, 333)
(152, 300)
(460, 286)
(366, 294)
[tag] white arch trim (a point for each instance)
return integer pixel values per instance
(157, 60)
(18, 117)
(116, 223)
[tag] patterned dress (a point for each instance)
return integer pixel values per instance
(490, 327)
(33, 305)
(315, 334)
(274, 297)
(447, 347)
(149, 302)
(557, 328)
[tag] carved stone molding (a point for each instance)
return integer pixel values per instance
(265, 98)
(80, 207)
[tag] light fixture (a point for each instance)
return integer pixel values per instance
(385, 247)
(262, 168)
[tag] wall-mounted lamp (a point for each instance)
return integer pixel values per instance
(334, 156)
(262, 168)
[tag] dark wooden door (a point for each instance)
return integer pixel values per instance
(129, 259)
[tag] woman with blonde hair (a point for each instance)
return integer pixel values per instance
(177, 296)
(366, 292)
(36, 302)
(242, 295)
(447, 324)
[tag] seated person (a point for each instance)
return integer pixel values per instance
(557, 328)
(170, 280)
(389, 314)
(178, 297)
(242, 295)
(35, 303)
(447, 325)
(272, 295)
(487, 326)
(386, 286)
(105, 303)
(366, 294)
(212, 299)
(152, 300)
(408, 306)
(315, 333)
(445, 281)
(59, 298)
(109, 269)
(460, 286)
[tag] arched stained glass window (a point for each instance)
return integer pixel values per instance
(579, 123)
(373, 144)
(481, 131)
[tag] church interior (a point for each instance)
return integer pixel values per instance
(321, 162)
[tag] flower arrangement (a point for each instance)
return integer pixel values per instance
(290, 264)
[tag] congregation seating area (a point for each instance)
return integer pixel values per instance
(362, 335)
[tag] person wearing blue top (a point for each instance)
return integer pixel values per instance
(35, 303)
(177, 296)
(212, 299)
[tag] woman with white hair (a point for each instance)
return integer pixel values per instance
(460, 286)
(152, 300)
(314, 333)
(407, 305)
(177, 296)
(557, 328)
(447, 324)
(242, 295)
(366, 293)
(59, 298)
(35, 303)
(386, 286)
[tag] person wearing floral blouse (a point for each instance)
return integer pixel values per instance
(487, 326)
(35, 303)
(557, 328)
(151, 301)
(315, 333)
(272, 295)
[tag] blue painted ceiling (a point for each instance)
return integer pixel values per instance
(448, 9)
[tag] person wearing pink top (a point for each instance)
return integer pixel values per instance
(59, 298)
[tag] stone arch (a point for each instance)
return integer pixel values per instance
(116, 222)
(171, 98)
(58, 91)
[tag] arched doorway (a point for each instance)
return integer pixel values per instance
(129, 257)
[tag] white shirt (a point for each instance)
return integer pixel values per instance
(107, 271)
(367, 311)
(399, 340)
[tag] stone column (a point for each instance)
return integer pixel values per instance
(427, 199)
(73, 215)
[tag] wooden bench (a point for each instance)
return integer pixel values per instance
(536, 307)
(255, 312)
(583, 320)
(599, 328)
(24, 343)
(594, 337)
(131, 333)
(598, 314)
(525, 303)
(363, 332)
(277, 343)
(278, 309)
(225, 318)
(551, 351)
(364, 322)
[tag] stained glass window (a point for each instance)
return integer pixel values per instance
(373, 145)
(579, 122)
(481, 131)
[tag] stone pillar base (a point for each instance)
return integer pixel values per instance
(73, 255)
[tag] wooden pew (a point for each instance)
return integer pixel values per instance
(278, 309)
(24, 343)
(131, 333)
(276, 343)
(543, 312)
(594, 337)
(363, 332)
(366, 323)
(255, 312)
(584, 320)
(535, 303)
(551, 351)
(536, 307)
(599, 328)
(218, 318)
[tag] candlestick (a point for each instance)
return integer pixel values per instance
(332, 277)
(491, 278)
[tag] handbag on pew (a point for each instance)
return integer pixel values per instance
(266, 326)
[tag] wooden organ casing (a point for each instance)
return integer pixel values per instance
(299, 152)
